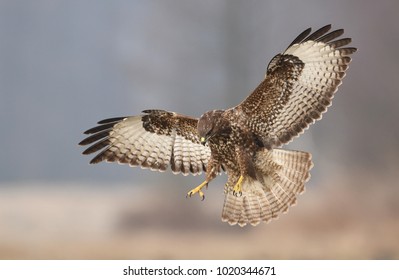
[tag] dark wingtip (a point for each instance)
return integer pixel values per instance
(318, 33)
(95, 160)
(95, 137)
(111, 120)
(100, 128)
(301, 36)
(104, 124)
(82, 143)
(330, 36)
(304, 36)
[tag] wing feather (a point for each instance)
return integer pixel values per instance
(299, 86)
(301, 37)
(156, 140)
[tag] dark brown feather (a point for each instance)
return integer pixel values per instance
(111, 120)
(318, 33)
(330, 36)
(95, 137)
(300, 37)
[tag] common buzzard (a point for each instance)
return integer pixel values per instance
(242, 141)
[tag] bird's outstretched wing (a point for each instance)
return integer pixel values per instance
(299, 86)
(155, 140)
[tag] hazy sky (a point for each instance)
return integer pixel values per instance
(66, 64)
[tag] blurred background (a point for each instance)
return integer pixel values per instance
(64, 65)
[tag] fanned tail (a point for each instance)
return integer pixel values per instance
(281, 177)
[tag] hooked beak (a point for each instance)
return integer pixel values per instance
(203, 140)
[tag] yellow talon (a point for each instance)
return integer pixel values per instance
(198, 190)
(237, 190)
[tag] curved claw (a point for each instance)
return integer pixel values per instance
(198, 190)
(200, 193)
(237, 194)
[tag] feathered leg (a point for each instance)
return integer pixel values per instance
(247, 170)
(211, 172)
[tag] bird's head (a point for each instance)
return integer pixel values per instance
(212, 123)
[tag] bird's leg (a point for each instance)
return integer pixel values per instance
(210, 175)
(247, 169)
(237, 189)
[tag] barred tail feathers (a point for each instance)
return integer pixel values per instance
(281, 177)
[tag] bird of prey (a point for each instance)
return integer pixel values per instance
(263, 180)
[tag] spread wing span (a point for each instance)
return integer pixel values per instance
(154, 140)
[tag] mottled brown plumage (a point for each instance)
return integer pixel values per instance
(263, 180)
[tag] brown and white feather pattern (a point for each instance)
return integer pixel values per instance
(155, 140)
(283, 174)
(299, 86)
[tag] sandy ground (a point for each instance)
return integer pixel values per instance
(75, 221)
